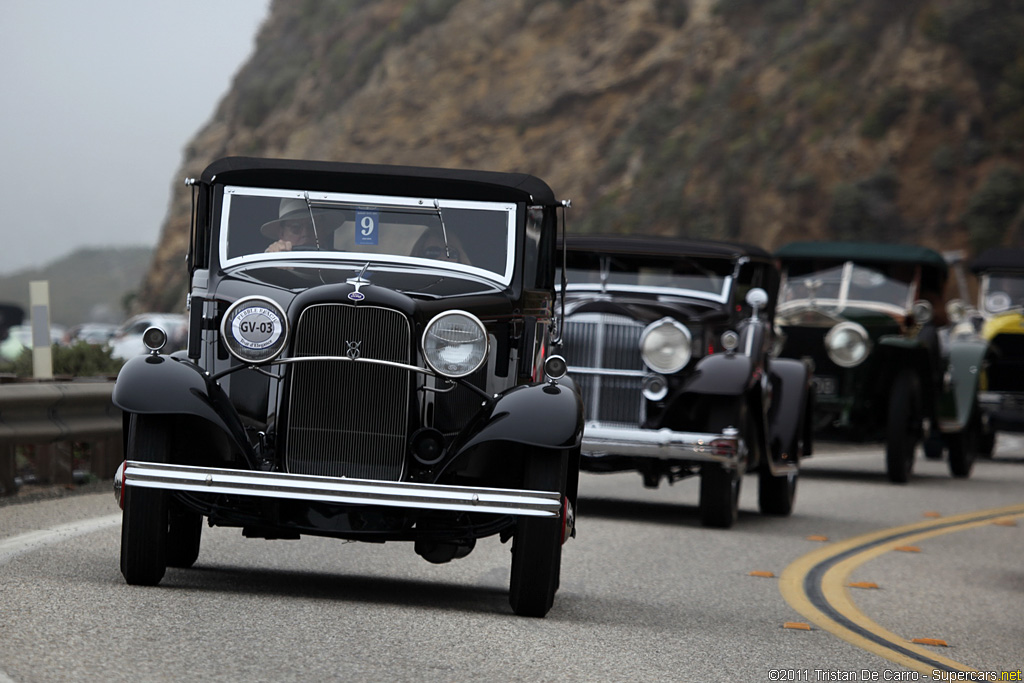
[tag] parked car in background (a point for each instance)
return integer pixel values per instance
(871, 320)
(126, 341)
(368, 359)
(668, 341)
(19, 338)
(97, 334)
(1000, 275)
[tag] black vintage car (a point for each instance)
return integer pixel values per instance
(887, 366)
(368, 359)
(669, 341)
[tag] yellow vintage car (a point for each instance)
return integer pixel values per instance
(1000, 275)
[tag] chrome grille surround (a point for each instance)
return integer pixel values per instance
(603, 351)
(349, 419)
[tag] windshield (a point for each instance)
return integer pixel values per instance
(681, 276)
(845, 286)
(262, 225)
(1002, 293)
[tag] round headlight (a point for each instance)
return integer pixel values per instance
(455, 344)
(255, 329)
(921, 312)
(998, 302)
(847, 344)
(956, 311)
(666, 346)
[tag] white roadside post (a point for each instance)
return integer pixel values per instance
(42, 353)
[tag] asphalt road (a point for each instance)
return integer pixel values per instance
(647, 594)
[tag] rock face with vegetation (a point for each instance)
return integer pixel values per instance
(756, 120)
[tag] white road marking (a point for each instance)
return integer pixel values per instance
(16, 545)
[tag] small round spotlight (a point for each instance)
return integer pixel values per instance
(427, 446)
(730, 340)
(555, 367)
(154, 339)
(654, 387)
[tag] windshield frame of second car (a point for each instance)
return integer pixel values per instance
(436, 212)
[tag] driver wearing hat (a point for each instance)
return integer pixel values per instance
(293, 227)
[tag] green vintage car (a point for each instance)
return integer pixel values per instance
(870, 320)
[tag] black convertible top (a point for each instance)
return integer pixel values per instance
(330, 176)
(664, 246)
(999, 258)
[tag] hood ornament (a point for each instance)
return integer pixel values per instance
(357, 282)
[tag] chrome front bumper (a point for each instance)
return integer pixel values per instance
(727, 448)
(1003, 410)
(305, 487)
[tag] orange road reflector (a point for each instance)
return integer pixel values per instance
(932, 513)
(930, 641)
(798, 625)
(816, 537)
(908, 549)
(1005, 522)
(764, 575)
(863, 584)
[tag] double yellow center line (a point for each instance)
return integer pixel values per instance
(816, 586)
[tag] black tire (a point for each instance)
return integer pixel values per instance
(184, 533)
(961, 454)
(144, 519)
(776, 495)
(719, 505)
(719, 496)
(903, 428)
(537, 545)
(964, 448)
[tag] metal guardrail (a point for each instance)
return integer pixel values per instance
(52, 416)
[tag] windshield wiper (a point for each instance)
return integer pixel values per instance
(312, 219)
(444, 232)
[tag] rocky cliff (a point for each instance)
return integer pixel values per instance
(757, 120)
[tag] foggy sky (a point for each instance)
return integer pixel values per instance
(99, 100)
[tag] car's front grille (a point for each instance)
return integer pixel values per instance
(603, 352)
(349, 419)
(809, 342)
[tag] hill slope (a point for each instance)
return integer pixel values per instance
(87, 285)
(758, 120)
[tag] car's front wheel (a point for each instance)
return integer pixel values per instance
(903, 428)
(537, 545)
(184, 533)
(776, 495)
(719, 496)
(964, 447)
(144, 519)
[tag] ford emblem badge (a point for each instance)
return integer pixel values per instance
(356, 296)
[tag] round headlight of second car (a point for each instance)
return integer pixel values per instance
(455, 344)
(847, 344)
(666, 346)
(255, 329)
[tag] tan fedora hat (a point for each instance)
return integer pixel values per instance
(289, 209)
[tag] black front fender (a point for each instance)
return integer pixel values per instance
(546, 415)
(162, 385)
(721, 374)
(790, 381)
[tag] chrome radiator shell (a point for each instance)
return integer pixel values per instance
(349, 419)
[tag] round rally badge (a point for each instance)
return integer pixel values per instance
(257, 328)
